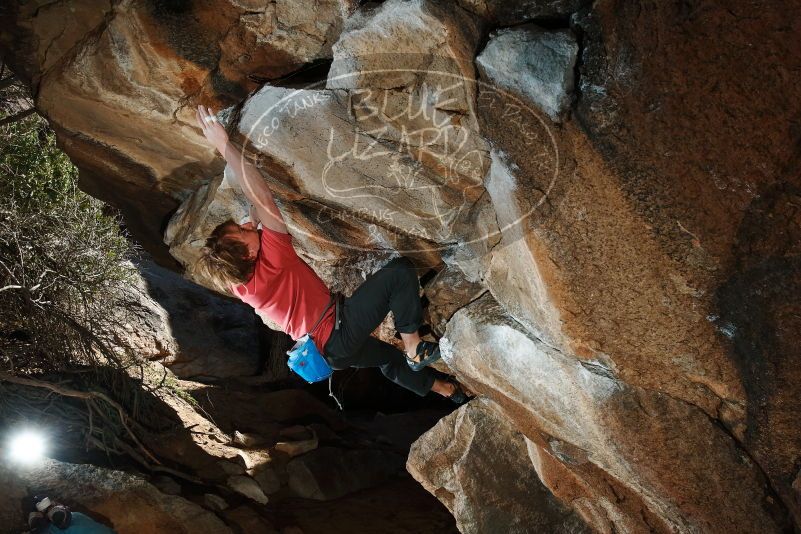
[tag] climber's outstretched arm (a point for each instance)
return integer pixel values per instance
(250, 179)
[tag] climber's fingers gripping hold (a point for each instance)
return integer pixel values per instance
(212, 129)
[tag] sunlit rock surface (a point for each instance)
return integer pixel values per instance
(533, 63)
(671, 447)
(476, 463)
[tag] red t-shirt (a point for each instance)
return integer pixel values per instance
(287, 290)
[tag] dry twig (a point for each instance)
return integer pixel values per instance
(86, 395)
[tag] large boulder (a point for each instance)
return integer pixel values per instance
(141, 324)
(119, 81)
(386, 161)
(477, 464)
(534, 63)
(212, 337)
(711, 172)
(196, 333)
(403, 177)
(677, 466)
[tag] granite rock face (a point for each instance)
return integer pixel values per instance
(196, 333)
(535, 64)
(214, 338)
(582, 408)
(639, 255)
(447, 292)
(118, 81)
(474, 455)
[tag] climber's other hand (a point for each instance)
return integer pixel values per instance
(212, 129)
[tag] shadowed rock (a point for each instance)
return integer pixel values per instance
(125, 502)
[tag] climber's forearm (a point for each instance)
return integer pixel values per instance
(250, 179)
(255, 188)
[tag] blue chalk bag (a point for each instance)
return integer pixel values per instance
(305, 359)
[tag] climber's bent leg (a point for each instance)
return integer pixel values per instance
(392, 362)
(395, 287)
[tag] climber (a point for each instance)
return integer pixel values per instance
(262, 268)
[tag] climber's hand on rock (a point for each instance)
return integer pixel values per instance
(212, 129)
(246, 174)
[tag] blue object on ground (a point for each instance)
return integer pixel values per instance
(81, 524)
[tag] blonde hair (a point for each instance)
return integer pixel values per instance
(224, 260)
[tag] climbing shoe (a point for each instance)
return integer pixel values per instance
(458, 396)
(427, 353)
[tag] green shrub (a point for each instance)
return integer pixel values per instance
(62, 259)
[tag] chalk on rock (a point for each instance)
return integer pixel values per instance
(533, 63)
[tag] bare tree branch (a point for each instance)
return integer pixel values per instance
(9, 287)
(86, 395)
(17, 116)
